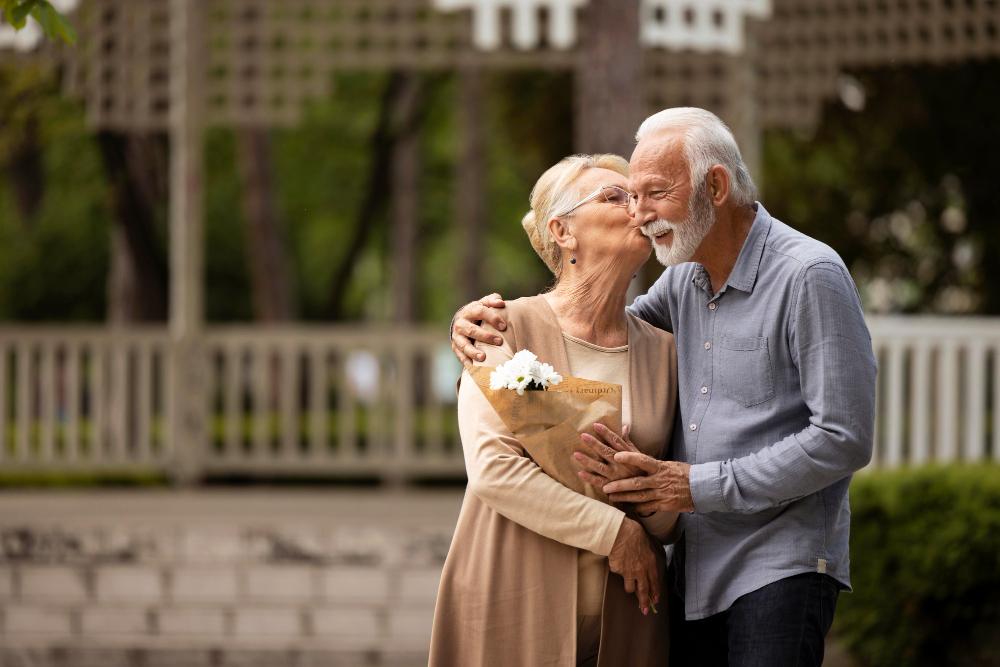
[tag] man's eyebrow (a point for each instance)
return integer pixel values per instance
(655, 181)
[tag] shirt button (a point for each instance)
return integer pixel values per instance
(708, 345)
(712, 306)
(704, 390)
(693, 427)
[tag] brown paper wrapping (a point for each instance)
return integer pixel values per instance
(549, 423)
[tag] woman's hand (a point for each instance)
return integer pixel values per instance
(597, 459)
(633, 558)
(466, 329)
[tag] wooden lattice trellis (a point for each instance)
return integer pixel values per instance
(262, 58)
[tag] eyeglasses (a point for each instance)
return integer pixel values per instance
(611, 194)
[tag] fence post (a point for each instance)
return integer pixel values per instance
(188, 428)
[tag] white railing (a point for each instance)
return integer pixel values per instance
(308, 400)
(939, 389)
(372, 402)
(84, 398)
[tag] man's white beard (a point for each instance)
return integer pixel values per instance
(687, 235)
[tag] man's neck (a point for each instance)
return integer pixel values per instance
(721, 248)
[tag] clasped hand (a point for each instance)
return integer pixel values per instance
(616, 466)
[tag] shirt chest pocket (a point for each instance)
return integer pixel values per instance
(745, 370)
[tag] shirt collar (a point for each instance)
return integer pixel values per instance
(744, 274)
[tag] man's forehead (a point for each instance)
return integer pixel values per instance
(662, 150)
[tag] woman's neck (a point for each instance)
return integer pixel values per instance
(591, 306)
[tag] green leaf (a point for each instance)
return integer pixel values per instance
(17, 13)
(53, 23)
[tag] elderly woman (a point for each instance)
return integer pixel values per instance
(538, 574)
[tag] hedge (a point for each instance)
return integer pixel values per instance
(925, 562)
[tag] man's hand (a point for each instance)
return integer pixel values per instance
(596, 458)
(465, 329)
(633, 558)
(664, 487)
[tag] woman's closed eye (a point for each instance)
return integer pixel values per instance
(616, 195)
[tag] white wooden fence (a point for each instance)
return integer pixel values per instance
(370, 402)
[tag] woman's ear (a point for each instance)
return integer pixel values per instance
(560, 232)
(718, 184)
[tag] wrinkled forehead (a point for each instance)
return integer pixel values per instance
(660, 156)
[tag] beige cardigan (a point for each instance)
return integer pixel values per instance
(508, 589)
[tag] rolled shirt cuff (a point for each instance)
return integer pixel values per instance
(706, 487)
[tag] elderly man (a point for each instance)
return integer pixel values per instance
(776, 389)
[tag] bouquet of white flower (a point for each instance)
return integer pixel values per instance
(524, 372)
(547, 412)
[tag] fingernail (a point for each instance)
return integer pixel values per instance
(497, 340)
(645, 611)
(481, 357)
(502, 326)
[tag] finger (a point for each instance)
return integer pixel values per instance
(629, 585)
(601, 432)
(493, 301)
(611, 438)
(487, 309)
(627, 437)
(471, 312)
(637, 497)
(476, 332)
(639, 460)
(653, 583)
(598, 449)
(460, 354)
(631, 484)
(590, 465)
(470, 351)
(642, 592)
(595, 481)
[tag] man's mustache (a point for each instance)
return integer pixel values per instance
(653, 229)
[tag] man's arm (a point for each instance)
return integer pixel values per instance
(832, 349)
(653, 306)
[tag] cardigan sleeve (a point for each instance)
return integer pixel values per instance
(507, 480)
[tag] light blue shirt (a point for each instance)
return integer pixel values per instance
(777, 408)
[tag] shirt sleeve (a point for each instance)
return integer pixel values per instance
(831, 348)
(654, 306)
(505, 478)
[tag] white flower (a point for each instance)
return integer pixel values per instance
(521, 372)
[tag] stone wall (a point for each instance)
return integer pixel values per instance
(204, 582)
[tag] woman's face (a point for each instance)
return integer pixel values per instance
(604, 230)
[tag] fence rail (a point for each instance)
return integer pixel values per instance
(346, 401)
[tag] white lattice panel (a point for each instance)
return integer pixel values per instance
(699, 25)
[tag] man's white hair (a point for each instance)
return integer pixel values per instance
(707, 142)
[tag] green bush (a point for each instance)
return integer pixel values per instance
(925, 561)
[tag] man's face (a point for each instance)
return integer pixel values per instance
(675, 214)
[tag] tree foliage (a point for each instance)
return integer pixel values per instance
(53, 23)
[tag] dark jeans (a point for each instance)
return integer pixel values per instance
(783, 624)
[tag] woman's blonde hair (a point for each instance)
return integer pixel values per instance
(553, 192)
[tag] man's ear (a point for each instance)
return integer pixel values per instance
(718, 184)
(560, 232)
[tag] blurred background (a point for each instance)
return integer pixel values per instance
(233, 232)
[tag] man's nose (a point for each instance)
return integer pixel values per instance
(642, 214)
